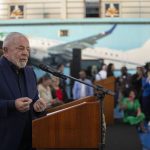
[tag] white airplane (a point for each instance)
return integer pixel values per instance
(52, 51)
(131, 58)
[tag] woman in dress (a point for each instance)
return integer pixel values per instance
(132, 111)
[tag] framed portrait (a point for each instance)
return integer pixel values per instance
(112, 10)
(16, 11)
(63, 33)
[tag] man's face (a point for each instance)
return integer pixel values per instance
(18, 51)
(82, 75)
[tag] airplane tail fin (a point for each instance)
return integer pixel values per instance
(111, 30)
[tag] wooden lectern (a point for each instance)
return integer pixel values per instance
(75, 102)
(75, 125)
(108, 83)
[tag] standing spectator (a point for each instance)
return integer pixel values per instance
(56, 90)
(44, 89)
(91, 72)
(81, 90)
(110, 70)
(62, 83)
(110, 73)
(137, 82)
(123, 83)
(102, 74)
(146, 95)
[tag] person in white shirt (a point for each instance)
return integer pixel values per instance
(81, 90)
(102, 74)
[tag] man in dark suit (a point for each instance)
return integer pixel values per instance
(18, 94)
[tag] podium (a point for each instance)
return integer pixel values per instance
(108, 83)
(75, 102)
(74, 125)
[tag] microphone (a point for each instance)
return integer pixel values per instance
(51, 70)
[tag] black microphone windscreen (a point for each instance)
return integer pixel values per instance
(43, 67)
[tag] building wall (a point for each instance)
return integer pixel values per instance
(33, 9)
(75, 9)
(63, 9)
(130, 9)
(45, 8)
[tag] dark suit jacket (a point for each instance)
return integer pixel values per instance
(12, 122)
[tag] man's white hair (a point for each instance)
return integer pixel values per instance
(10, 38)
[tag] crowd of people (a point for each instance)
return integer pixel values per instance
(133, 95)
(132, 91)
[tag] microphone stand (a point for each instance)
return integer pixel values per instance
(100, 93)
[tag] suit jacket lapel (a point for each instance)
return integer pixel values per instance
(28, 82)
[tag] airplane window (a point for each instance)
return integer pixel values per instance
(63, 33)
